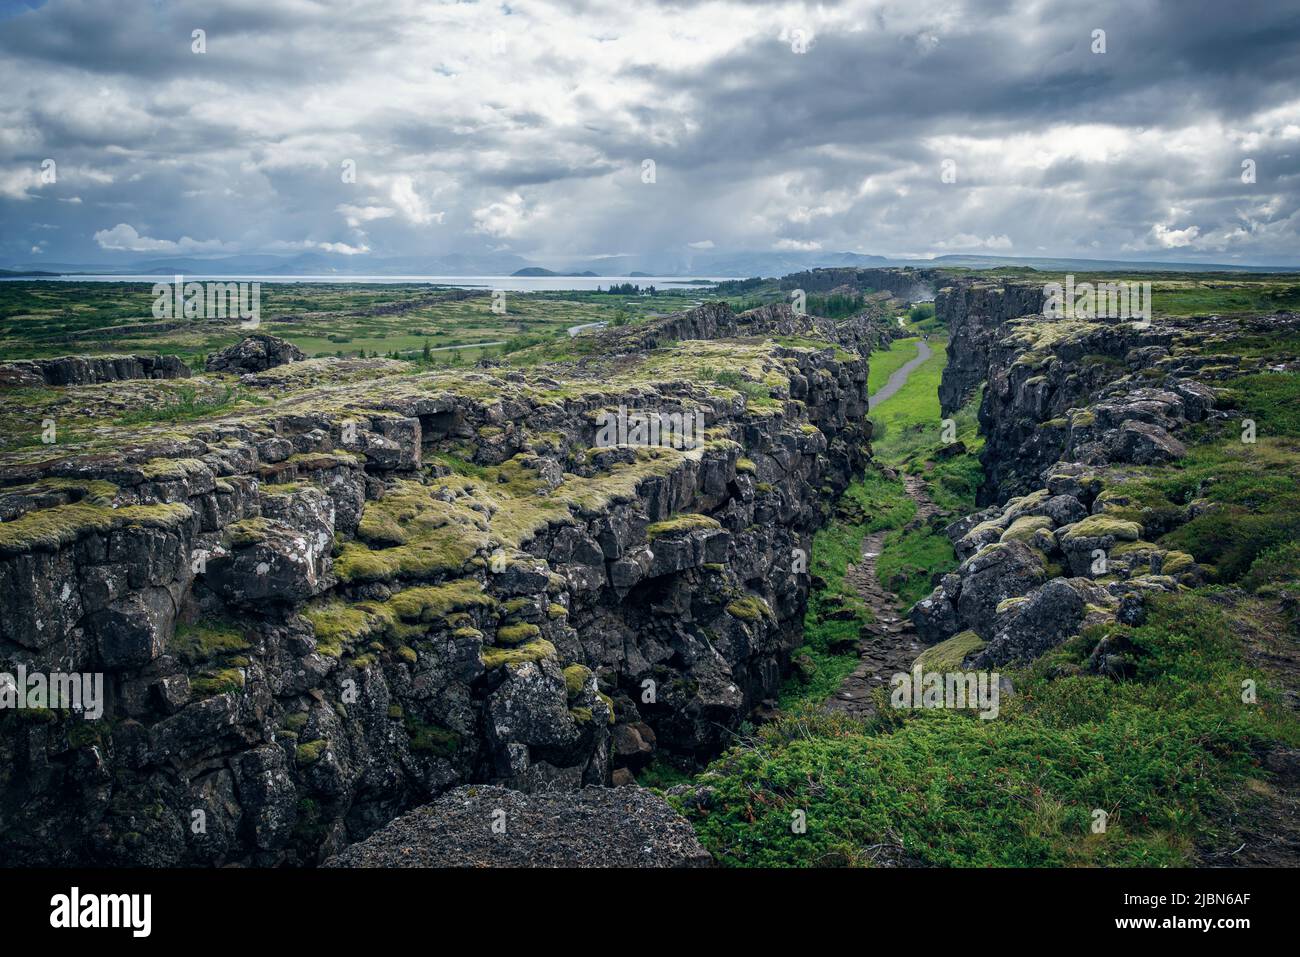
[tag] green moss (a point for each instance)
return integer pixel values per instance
(517, 634)
(679, 524)
(581, 715)
(50, 529)
(217, 682)
(749, 608)
(609, 703)
(1023, 529)
(408, 613)
(554, 611)
(1100, 526)
(204, 640)
(407, 654)
(577, 678)
(296, 721)
(533, 651)
(336, 624)
(172, 470)
(746, 466)
(246, 532)
(947, 656)
(311, 752)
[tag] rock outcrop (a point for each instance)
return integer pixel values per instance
(316, 615)
(255, 353)
(89, 370)
(1069, 410)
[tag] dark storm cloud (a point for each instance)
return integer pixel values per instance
(477, 126)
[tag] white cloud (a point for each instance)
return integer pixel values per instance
(968, 241)
(409, 202)
(342, 249)
(124, 237)
(15, 183)
(356, 215)
(702, 244)
(797, 245)
(502, 219)
(1169, 238)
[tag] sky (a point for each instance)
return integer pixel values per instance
(575, 132)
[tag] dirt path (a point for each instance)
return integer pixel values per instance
(888, 644)
(899, 378)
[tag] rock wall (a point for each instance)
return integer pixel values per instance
(906, 283)
(315, 617)
(88, 370)
(1069, 409)
(974, 310)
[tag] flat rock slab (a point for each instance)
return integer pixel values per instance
(594, 827)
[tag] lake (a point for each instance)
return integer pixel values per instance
(509, 283)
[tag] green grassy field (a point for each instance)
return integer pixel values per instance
(885, 363)
(39, 319)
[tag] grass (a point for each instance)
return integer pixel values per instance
(909, 420)
(1162, 754)
(188, 405)
(40, 319)
(1171, 753)
(885, 363)
(836, 614)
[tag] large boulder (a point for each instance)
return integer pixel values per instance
(994, 574)
(255, 353)
(1027, 628)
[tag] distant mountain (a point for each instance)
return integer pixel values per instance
(539, 271)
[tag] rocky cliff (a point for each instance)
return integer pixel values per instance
(87, 370)
(1075, 414)
(316, 614)
(974, 311)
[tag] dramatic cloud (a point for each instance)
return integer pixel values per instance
(573, 133)
(124, 237)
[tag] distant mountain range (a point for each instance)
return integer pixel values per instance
(695, 263)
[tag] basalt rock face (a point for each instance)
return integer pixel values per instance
(974, 310)
(317, 615)
(1070, 410)
(89, 370)
(912, 284)
(862, 333)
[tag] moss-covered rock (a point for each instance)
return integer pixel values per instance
(947, 656)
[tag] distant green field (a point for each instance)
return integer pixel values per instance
(40, 319)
